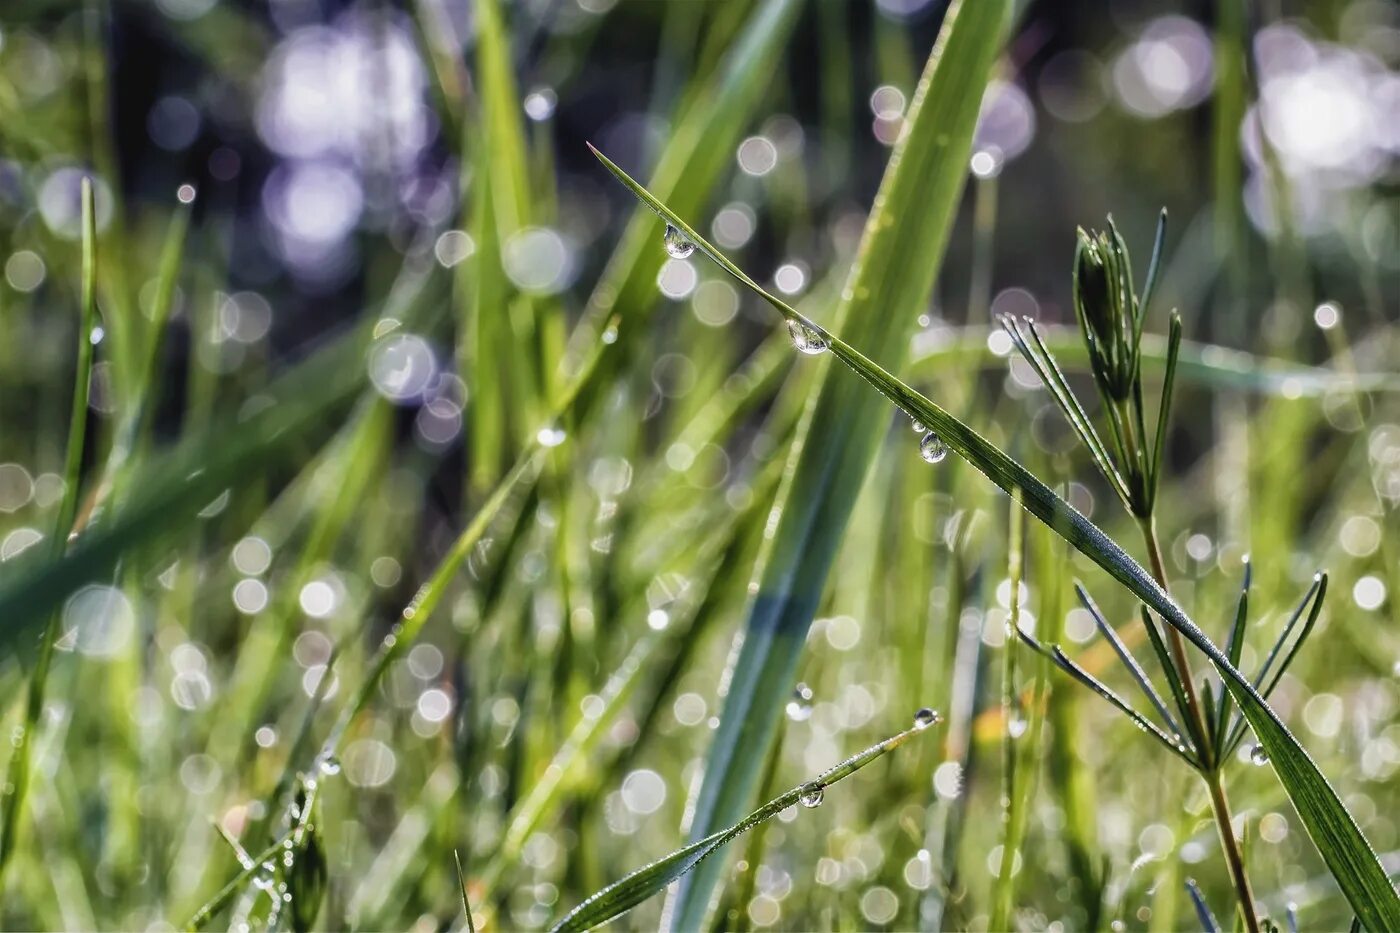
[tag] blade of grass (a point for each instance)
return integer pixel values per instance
(1126, 656)
(12, 794)
(890, 280)
(621, 896)
(1333, 829)
(1004, 888)
(1234, 645)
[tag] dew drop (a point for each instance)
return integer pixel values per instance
(328, 765)
(932, 448)
(811, 796)
(926, 717)
(918, 427)
(1258, 755)
(799, 708)
(677, 246)
(806, 339)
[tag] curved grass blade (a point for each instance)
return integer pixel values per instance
(620, 897)
(1339, 840)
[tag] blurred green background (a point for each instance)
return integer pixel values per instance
(431, 269)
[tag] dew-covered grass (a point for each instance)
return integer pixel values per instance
(456, 466)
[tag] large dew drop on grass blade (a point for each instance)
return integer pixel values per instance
(806, 339)
(926, 717)
(677, 245)
(812, 795)
(1258, 755)
(932, 448)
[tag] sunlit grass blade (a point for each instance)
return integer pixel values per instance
(14, 791)
(620, 897)
(1334, 831)
(1131, 663)
(250, 867)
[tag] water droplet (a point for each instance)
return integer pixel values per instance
(932, 448)
(799, 708)
(550, 436)
(1258, 755)
(677, 245)
(918, 427)
(811, 796)
(806, 339)
(1016, 726)
(328, 765)
(926, 717)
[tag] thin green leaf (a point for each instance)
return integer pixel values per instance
(16, 786)
(1315, 595)
(621, 896)
(1061, 660)
(1165, 408)
(1178, 689)
(462, 884)
(1234, 645)
(1339, 840)
(1053, 378)
(1131, 663)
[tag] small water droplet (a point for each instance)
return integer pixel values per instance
(1016, 726)
(811, 796)
(1258, 755)
(932, 448)
(806, 339)
(918, 427)
(799, 708)
(926, 717)
(550, 436)
(328, 765)
(677, 245)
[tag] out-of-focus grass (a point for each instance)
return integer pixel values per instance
(284, 494)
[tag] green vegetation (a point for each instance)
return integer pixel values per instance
(426, 522)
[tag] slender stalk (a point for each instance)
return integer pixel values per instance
(1219, 804)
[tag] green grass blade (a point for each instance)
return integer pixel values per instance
(1164, 411)
(16, 786)
(1131, 663)
(620, 897)
(1004, 887)
(1234, 645)
(890, 281)
(1339, 840)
